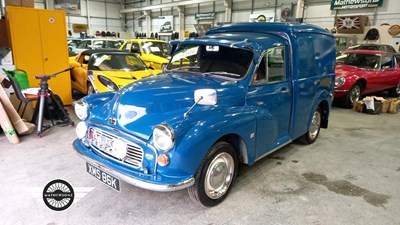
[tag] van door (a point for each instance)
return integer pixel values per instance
(271, 93)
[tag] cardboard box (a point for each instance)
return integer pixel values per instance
(13, 2)
(16, 120)
(28, 111)
(28, 3)
(358, 106)
(385, 106)
(372, 105)
(7, 127)
(394, 103)
(3, 32)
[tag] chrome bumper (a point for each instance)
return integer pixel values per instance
(341, 90)
(136, 182)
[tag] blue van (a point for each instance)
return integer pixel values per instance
(230, 97)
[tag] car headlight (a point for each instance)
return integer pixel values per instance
(81, 109)
(339, 81)
(163, 137)
(108, 83)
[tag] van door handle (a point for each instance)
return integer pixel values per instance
(284, 90)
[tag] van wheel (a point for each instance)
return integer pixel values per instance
(313, 131)
(395, 92)
(214, 178)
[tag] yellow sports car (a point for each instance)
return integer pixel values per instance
(106, 70)
(156, 52)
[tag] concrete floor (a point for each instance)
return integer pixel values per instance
(351, 175)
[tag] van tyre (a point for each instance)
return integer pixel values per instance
(313, 131)
(215, 175)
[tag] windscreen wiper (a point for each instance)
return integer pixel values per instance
(222, 73)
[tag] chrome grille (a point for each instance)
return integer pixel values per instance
(134, 155)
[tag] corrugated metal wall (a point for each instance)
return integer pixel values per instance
(105, 16)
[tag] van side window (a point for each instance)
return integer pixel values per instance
(271, 67)
(276, 64)
(305, 57)
(260, 76)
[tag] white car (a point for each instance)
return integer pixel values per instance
(167, 26)
(96, 43)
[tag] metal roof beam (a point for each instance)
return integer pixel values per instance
(165, 5)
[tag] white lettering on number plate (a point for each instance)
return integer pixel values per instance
(103, 176)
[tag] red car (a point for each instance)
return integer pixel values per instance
(361, 72)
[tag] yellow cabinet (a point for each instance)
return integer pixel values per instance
(39, 44)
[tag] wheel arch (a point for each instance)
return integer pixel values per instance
(325, 110)
(238, 144)
(363, 83)
(235, 130)
(324, 103)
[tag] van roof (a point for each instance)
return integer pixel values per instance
(239, 40)
(267, 27)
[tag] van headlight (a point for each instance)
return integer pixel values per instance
(339, 81)
(81, 109)
(163, 137)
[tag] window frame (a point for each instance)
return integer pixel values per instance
(267, 68)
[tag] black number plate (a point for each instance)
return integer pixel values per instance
(103, 176)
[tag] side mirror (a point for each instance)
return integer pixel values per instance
(205, 96)
(385, 67)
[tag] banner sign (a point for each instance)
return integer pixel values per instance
(205, 16)
(166, 23)
(69, 6)
(351, 24)
(77, 28)
(355, 4)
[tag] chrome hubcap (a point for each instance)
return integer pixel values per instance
(398, 89)
(355, 94)
(219, 175)
(315, 124)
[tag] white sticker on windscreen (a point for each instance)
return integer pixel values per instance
(210, 48)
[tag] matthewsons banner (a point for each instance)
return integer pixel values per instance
(355, 4)
(205, 16)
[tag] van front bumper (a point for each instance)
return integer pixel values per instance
(160, 187)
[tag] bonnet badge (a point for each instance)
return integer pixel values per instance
(112, 120)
